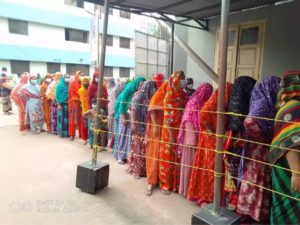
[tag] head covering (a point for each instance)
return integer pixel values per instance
(62, 91)
(239, 101)
(110, 83)
(113, 95)
(207, 115)
(140, 101)
(45, 85)
(157, 100)
(290, 88)
(124, 99)
(74, 87)
(83, 95)
(191, 112)
(93, 91)
(158, 78)
(23, 81)
(50, 93)
(262, 103)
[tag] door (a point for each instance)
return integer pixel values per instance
(244, 50)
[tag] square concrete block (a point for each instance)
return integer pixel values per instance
(206, 216)
(92, 178)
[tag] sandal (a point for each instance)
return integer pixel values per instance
(165, 192)
(148, 191)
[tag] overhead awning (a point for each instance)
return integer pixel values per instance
(197, 10)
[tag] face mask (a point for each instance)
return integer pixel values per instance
(86, 86)
(189, 86)
(183, 83)
(67, 80)
(97, 80)
(48, 80)
(33, 82)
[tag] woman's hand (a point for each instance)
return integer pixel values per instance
(295, 183)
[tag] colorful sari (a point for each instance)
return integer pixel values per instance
(61, 97)
(85, 106)
(239, 101)
(189, 132)
(122, 138)
(29, 96)
(202, 178)
(15, 97)
(285, 210)
(50, 93)
(46, 102)
(254, 201)
(174, 103)
(153, 134)
(139, 109)
(74, 106)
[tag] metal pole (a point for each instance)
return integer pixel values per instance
(221, 106)
(98, 15)
(100, 83)
(172, 50)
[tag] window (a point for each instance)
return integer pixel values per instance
(19, 66)
(249, 36)
(18, 27)
(53, 67)
(109, 40)
(110, 10)
(108, 71)
(72, 68)
(124, 42)
(124, 72)
(76, 35)
(76, 3)
(124, 14)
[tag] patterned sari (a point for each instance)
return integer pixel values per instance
(174, 103)
(254, 201)
(153, 134)
(287, 135)
(188, 133)
(139, 109)
(46, 102)
(84, 102)
(202, 180)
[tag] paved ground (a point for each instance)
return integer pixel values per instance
(37, 177)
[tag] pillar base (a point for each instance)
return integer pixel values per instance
(92, 178)
(206, 216)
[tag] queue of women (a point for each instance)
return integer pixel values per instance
(168, 134)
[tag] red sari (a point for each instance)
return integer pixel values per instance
(201, 185)
(174, 103)
(74, 106)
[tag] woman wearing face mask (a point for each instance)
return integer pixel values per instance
(92, 101)
(30, 101)
(46, 102)
(174, 103)
(62, 96)
(50, 93)
(82, 92)
(189, 87)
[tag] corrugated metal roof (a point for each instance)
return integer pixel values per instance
(190, 9)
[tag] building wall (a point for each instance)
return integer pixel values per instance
(180, 56)
(281, 50)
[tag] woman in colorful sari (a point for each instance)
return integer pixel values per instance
(45, 101)
(285, 153)
(174, 103)
(61, 97)
(83, 96)
(30, 102)
(115, 92)
(15, 97)
(202, 178)
(189, 132)
(74, 104)
(239, 101)
(153, 134)
(92, 101)
(254, 202)
(158, 78)
(138, 113)
(50, 94)
(122, 144)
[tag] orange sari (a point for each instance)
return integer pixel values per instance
(153, 145)
(46, 102)
(201, 185)
(174, 103)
